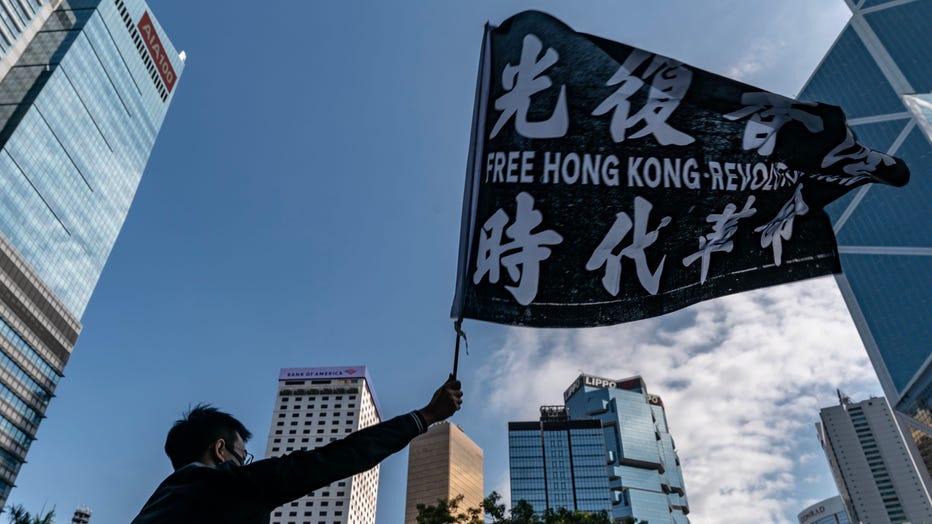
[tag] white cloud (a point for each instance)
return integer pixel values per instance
(742, 378)
(778, 50)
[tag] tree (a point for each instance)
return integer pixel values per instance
(523, 513)
(446, 512)
(19, 515)
(565, 516)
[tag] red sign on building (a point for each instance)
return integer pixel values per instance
(154, 44)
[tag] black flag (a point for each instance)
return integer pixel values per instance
(608, 184)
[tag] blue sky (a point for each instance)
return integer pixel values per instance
(302, 206)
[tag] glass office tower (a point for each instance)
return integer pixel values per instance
(558, 463)
(84, 88)
(880, 72)
(645, 479)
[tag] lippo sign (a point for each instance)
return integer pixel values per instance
(154, 44)
(588, 380)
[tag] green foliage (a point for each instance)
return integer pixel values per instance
(19, 515)
(446, 511)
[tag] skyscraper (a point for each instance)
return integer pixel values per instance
(880, 71)
(443, 464)
(645, 478)
(828, 511)
(314, 407)
(558, 463)
(876, 476)
(84, 88)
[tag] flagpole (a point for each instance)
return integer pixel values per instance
(470, 193)
(457, 325)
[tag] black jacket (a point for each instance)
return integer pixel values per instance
(230, 493)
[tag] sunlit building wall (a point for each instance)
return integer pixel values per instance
(84, 89)
(314, 407)
(879, 71)
(443, 463)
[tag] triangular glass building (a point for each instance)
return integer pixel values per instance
(880, 72)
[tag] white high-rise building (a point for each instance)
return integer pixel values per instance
(314, 407)
(878, 479)
(828, 511)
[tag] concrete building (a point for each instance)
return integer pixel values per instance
(870, 460)
(879, 71)
(443, 464)
(313, 407)
(828, 511)
(84, 88)
(82, 515)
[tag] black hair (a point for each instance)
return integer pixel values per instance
(198, 429)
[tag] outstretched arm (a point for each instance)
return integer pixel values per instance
(286, 478)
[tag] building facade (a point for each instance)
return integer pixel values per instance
(82, 515)
(313, 407)
(84, 89)
(880, 72)
(645, 478)
(876, 476)
(558, 463)
(443, 463)
(828, 511)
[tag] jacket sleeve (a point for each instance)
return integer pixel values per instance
(278, 480)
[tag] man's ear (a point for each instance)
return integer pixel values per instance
(217, 449)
